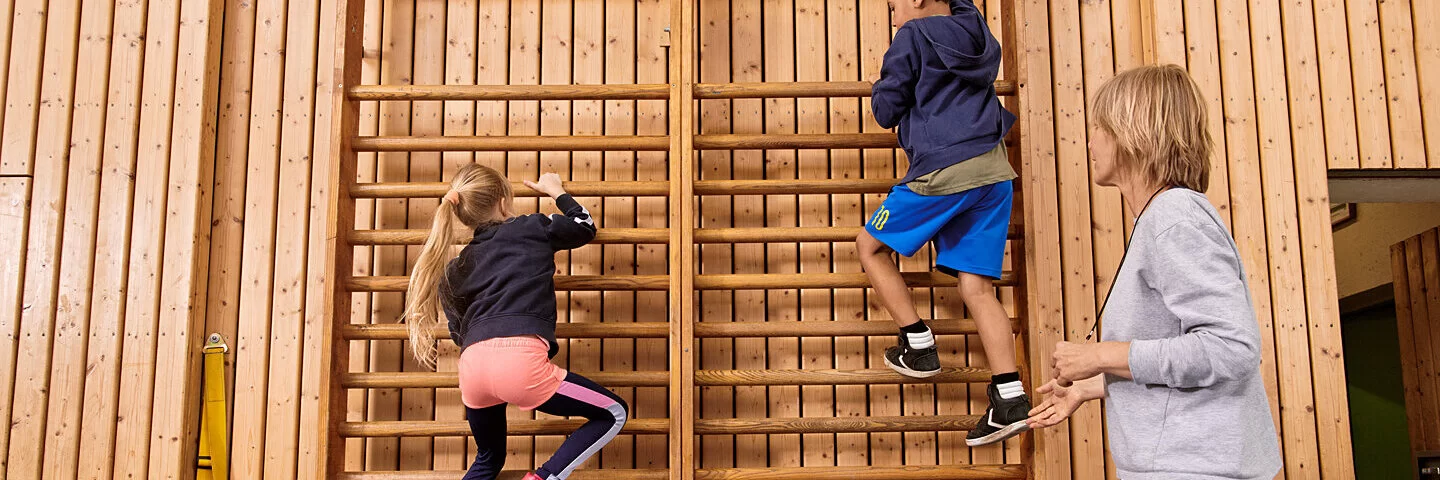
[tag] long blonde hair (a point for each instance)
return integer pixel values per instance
(478, 195)
(1157, 116)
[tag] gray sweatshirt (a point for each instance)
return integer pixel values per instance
(1196, 408)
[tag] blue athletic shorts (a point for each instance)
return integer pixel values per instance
(968, 227)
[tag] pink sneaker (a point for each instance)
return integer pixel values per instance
(532, 476)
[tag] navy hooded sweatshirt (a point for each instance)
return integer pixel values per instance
(937, 85)
(503, 283)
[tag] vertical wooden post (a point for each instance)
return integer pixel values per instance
(682, 244)
(344, 123)
(1010, 63)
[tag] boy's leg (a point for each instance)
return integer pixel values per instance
(903, 224)
(996, 333)
(885, 278)
(488, 426)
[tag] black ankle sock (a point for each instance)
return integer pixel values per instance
(1005, 378)
(917, 327)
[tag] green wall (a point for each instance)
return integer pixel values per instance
(1377, 397)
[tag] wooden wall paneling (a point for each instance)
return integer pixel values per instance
(317, 342)
(884, 449)
(1425, 352)
(252, 342)
(1202, 41)
(43, 270)
(147, 250)
(1073, 175)
(1372, 119)
(192, 146)
(367, 171)
(77, 261)
(842, 38)
(1314, 237)
(556, 118)
(1248, 223)
(426, 119)
(1430, 256)
(652, 118)
(818, 449)
(1405, 332)
(22, 89)
(747, 116)
(1397, 40)
(14, 218)
(112, 260)
(292, 214)
(1426, 18)
(588, 118)
(7, 15)
(397, 67)
(524, 55)
(461, 62)
(1042, 251)
(782, 210)
(716, 451)
(1337, 89)
(1287, 294)
(616, 44)
(1169, 31)
(232, 138)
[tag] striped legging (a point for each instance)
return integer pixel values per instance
(576, 397)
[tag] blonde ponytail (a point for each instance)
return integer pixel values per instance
(474, 196)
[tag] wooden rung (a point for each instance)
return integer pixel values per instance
(793, 187)
(579, 189)
(738, 378)
(594, 143)
(774, 281)
(704, 378)
(851, 328)
(562, 282)
(510, 92)
(394, 331)
(803, 89)
(593, 474)
(450, 380)
(918, 423)
(788, 141)
(606, 236)
(912, 472)
(559, 426)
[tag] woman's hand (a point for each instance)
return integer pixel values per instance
(1072, 362)
(1061, 401)
(549, 184)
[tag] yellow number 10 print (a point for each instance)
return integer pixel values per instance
(878, 220)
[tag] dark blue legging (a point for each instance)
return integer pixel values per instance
(576, 397)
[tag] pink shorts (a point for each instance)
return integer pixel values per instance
(514, 370)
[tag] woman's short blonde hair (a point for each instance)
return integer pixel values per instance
(1157, 116)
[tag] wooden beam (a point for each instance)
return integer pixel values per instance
(562, 283)
(912, 472)
(509, 92)
(788, 141)
(529, 143)
(578, 189)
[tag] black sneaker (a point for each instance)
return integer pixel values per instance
(912, 362)
(1004, 418)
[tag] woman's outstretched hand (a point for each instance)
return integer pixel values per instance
(1060, 401)
(549, 184)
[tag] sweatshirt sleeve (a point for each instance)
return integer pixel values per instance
(1196, 272)
(574, 228)
(892, 96)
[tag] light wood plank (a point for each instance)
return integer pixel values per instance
(717, 451)
(251, 345)
(682, 255)
(112, 259)
(292, 240)
(363, 261)
(147, 249)
(1426, 17)
(618, 44)
(1367, 69)
(1397, 39)
(43, 272)
(588, 118)
(7, 13)
(22, 89)
(1425, 352)
(747, 116)
(1331, 38)
(524, 61)
(15, 202)
(77, 261)
(780, 117)
(1429, 250)
(1315, 242)
(1203, 42)
(1405, 333)
(652, 118)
